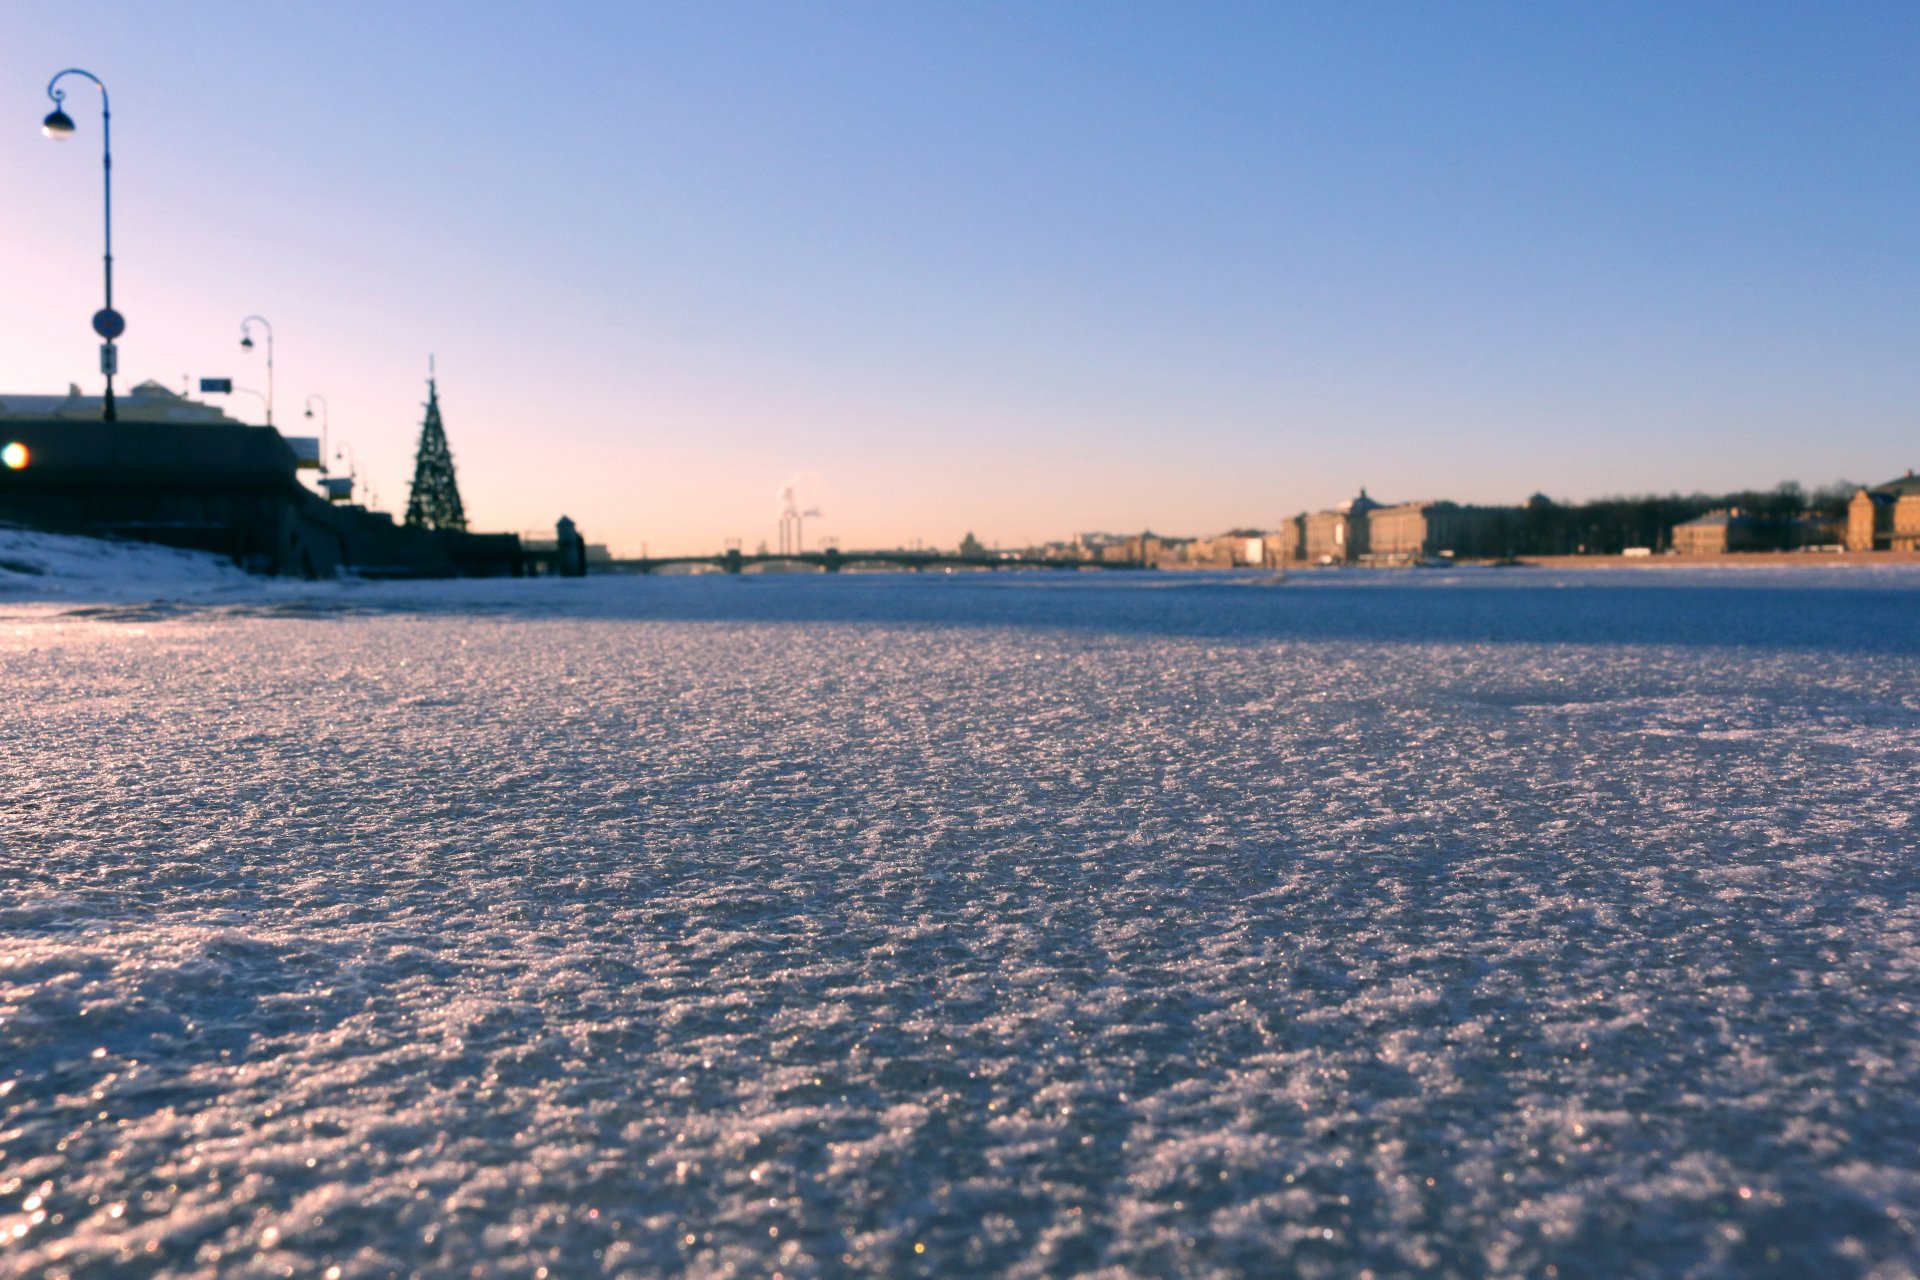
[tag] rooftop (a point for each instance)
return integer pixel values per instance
(1909, 483)
(1361, 503)
(148, 402)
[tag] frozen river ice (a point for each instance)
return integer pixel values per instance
(1516, 923)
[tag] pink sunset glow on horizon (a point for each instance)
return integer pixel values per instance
(1012, 271)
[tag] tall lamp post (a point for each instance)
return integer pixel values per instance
(58, 125)
(246, 344)
(353, 478)
(326, 415)
(249, 391)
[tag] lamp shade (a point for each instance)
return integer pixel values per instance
(58, 125)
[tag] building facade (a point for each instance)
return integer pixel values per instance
(1715, 533)
(1424, 530)
(1885, 517)
(1293, 539)
(1342, 535)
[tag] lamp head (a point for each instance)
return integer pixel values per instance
(58, 125)
(246, 342)
(309, 411)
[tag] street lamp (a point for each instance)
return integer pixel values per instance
(58, 125)
(326, 415)
(339, 489)
(246, 344)
(249, 391)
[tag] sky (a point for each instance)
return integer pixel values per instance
(1021, 269)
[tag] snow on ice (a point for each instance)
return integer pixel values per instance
(1461, 923)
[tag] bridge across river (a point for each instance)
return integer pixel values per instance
(833, 560)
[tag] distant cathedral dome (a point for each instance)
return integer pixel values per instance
(1353, 506)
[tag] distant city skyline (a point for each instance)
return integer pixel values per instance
(1025, 271)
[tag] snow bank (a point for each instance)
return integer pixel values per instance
(57, 567)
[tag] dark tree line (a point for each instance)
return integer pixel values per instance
(1608, 526)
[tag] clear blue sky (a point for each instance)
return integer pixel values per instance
(1017, 268)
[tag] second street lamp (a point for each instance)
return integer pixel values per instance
(340, 488)
(246, 344)
(58, 125)
(326, 415)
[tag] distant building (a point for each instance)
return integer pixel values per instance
(1235, 549)
(1170, 551)
(1139, 548)
(178, 472)
(1246, 548)
(1340, 536)
(1422, 530)
(1209, 553)
(1885, 517)
(1717, 533)
(1733, 530)
(1293, 539)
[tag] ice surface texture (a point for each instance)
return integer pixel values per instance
(1415, 925)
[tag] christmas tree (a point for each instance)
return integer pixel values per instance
(434, 502)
